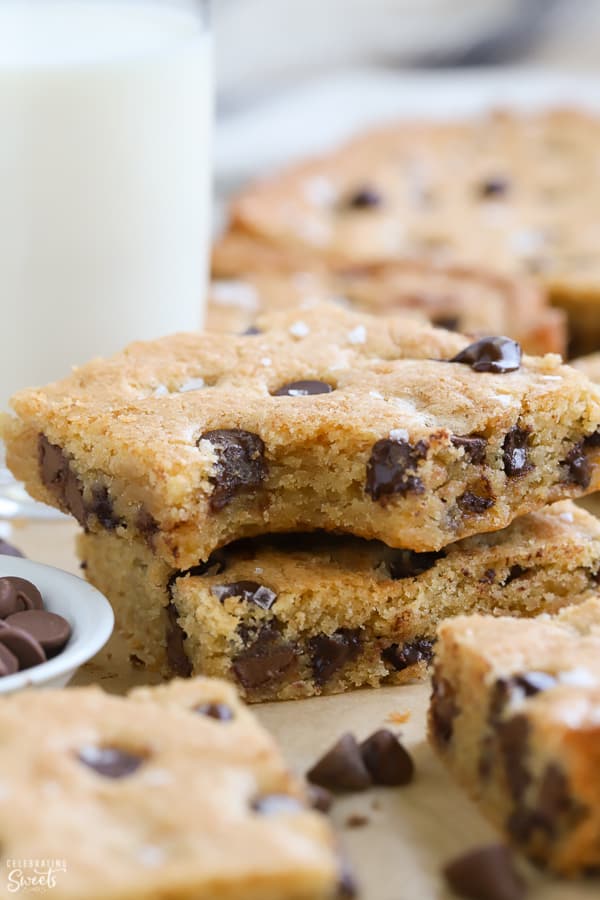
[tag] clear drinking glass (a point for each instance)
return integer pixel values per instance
(106, 111)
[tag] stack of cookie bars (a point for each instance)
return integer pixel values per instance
(297, 508)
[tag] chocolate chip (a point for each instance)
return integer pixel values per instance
(364, 198)
(342, 768)
(251, 330)
(514, 573)
(27, 593)
(356, 820)
(386, 759)
(240, 463)
(329, 653)
(515, 453)
(275, 804)
(176, 655)
(26, 648)
(101, 506)
(473, 504)
(7, 549)
(513, 735)
(491, 354)
(402, 656)
(486, 873)
(10, 602)
(266, 661)
(303, 389)
(577, 465)
(218, 711)
(495, 186)
(450, 323)
(73, 497)
(57, 476)
(443, 709)
(488, 577)
(533, 682)
(320, 798)
(247, 591)
(49, 629)
(392, 466)
(554, 809)
(9, 664)
(110, 761)
(408, 563)
(473, 445)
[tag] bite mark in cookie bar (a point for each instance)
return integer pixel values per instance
(424, 437)
(189, 798)
(515, 714)
(295, 615)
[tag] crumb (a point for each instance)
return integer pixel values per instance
(356, 820)
(398, 718)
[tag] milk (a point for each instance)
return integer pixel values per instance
(105, 135)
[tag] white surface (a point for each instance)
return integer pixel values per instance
(105, 116)
(86, 609)
(320, 114)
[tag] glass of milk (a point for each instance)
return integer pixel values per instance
(105, 162)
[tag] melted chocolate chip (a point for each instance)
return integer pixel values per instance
(473, 504)
(218, 711)
(554, 809)
(56, 474)
(240, 463)
(176, 655)
(392, 466)
(474, 446)
(513, 735)
(303, 389)
(533, 682)
(450, 323)
(276, 804)
(386, 759)
(515, 453)
(247, 591)
(265, 661)
(577, 466)
(110, 762)
(342, 768)
(101, 506)
(491, 354)
(495, 186)
(408, 563)
(330, 652)
(364, 198)
(514, 573)
(486, 873)
(443, 709)
(7, 549)
(402, 656)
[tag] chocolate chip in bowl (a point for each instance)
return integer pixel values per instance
(50, 623)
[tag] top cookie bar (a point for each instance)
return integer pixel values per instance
(380, 427)
(511, 191)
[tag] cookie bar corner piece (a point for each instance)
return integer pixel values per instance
(515, 716)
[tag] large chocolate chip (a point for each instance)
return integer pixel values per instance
(491, 354)
(267, 660)
(554, 809)
(364, 198)
(111, 762)
(330, 652)
(342, 768)
(408, 563)
(402, 656)
(392, 466)
(577, 465)
(248, 591)
(320, 798)
(276, 804)
(176, 655)
(474, 446)
(515, 453)
(49, 629)
(101, 506)
(9, 599)
(443, 709)
(28, 651)
(7, 549)
(386, 759)
(494, 186)
(240, 463)
(27, 594)
(473, 504)
(56, 474)
(303, 389)
(218, 711)
(513, 735)
(486, 873)
(9, 664)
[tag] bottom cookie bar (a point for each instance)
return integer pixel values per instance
(297, 615)
(515, 714)
(174, 791)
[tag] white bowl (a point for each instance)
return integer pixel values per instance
(88, 612)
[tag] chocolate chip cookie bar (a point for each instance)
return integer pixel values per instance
(295, 615)
(513, 191)
(173, 791)
(248, 282)
(515, 714)
(379, 427)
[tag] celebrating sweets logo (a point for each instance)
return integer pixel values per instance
(34, 875)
